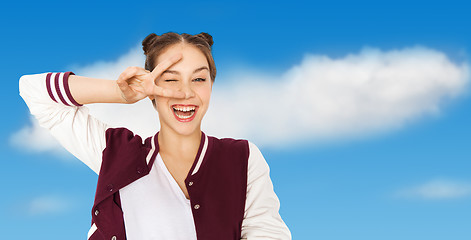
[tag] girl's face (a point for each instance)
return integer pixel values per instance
(191, 76)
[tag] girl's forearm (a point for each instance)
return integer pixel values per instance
(87, 90)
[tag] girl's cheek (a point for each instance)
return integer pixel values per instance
(173, 86)
(203, 90)
(169, 85)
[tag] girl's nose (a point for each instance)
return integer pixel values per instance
(189, 93)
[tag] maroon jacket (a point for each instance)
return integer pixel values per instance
(218, 190)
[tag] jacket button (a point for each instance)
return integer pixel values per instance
(190, 183)
(113, 238)
(197, 206)
(96, 212)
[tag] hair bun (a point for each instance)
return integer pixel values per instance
(148, 42)
(207, 37)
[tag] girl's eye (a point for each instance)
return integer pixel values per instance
(200, 79)
(170, 80)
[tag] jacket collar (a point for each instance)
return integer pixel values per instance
(203, 147)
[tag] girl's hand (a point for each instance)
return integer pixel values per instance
(136, 83)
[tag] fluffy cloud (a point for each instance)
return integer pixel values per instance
(323, 98)
(437, 189)
(36, 138)
(318, 99)
(48, 204)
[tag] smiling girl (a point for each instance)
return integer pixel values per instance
(177, 184)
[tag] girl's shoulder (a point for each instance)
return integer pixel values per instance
(233, 142)
(123, 139)
(243, 147)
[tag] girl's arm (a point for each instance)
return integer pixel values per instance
(261, 219)
(49, 99)
(56, 100)
(134, 84)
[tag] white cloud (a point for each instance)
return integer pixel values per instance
(437, 189)
(323, 98)
(35, 138)
(319, 99)
(112, 69)
(49, 204)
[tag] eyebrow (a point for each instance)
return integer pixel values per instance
(178, 73)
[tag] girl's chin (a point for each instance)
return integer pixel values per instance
(186, 131)
(182, 125)
(183, 128)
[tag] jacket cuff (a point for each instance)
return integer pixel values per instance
(57, 84)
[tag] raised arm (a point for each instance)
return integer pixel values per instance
(56, 100)
(134, 84)
(49, 98)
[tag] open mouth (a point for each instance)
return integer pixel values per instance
(184, 113)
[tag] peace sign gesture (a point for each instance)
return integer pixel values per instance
(136, 83)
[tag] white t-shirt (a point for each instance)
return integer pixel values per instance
(154, 203)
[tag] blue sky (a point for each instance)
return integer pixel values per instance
(408, 180)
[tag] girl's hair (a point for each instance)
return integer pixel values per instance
(153, 45)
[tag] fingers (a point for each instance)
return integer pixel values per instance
(165, 92)
(129, 73)
(158, 70)
(127, 92)
(161, 67)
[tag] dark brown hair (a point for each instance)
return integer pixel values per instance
(153, 45)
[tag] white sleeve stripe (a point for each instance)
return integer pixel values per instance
(67, 89)
(52, 83)
(57, 80)
(203, 152)
(62, 91)
(91, 231)
(151, 152)
(58, 88)
(48, 86)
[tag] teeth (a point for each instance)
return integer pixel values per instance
(184, 109)
(190, 109)
(185, 117)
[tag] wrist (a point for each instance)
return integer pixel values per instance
(119, 95)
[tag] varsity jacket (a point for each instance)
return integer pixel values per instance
(231, 193)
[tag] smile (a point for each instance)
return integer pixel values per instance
(184, 113)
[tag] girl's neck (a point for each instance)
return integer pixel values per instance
(176, 146)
